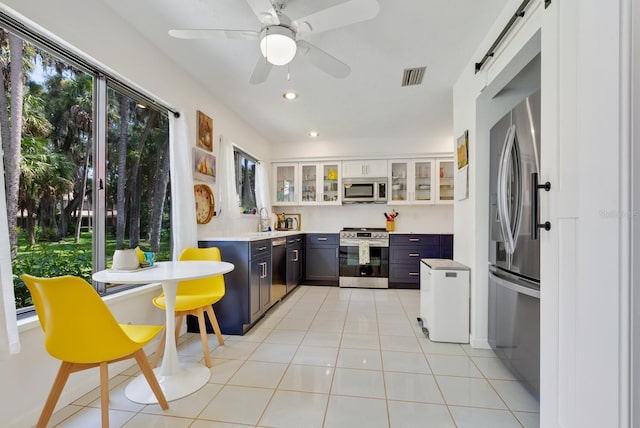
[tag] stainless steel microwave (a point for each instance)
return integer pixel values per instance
(364, 190)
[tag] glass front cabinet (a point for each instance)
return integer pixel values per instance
(411, 181)
(321, 183)
(446, 177)
(285, 191)
(420, 181)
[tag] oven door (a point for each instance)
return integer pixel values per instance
(378, 266)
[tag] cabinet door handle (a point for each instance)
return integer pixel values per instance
(336, 253)
(322, 239)
(414, 254)
(295, 252)
(414, 239)
(262, 248)
(264, 269)
(414, 273)
(299, 239)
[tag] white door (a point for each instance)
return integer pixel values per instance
(585, 255)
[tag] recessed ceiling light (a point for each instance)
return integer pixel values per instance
(289, 95)
(313, 133)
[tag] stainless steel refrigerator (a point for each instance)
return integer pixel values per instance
(514, 254)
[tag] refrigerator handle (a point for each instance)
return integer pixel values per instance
(535, 187)
(503, 205)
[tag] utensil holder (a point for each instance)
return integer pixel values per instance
(391, 226)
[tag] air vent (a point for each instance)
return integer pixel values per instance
(413, 76)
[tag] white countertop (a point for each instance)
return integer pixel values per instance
(251, 236)
(256, 236)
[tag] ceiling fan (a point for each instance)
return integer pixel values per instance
(278, 36)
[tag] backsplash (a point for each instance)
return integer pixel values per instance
(412, 218)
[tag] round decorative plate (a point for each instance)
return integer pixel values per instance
(205, 203)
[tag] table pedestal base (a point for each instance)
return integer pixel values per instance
(188, 380)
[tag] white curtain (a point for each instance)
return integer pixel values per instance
(230, 206)
(183, 208)
(9, 338)
(263, 195)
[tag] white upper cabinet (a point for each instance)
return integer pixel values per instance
(321, 183)
(364, 168)
(410, 181)
(445, 170)
(420, 181)
(285, 184)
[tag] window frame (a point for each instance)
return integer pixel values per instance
(102, 79)
(239, 180)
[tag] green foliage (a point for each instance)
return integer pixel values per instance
(49, 260)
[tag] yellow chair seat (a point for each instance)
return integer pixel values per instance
(196, 297)
(189, 302)
(141, 334)
(80, 330)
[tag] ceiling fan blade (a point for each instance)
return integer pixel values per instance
(265, 12)
(260, 71)
(337, 16)
(325, 62)
(211, 34)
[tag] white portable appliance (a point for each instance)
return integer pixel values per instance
(444, 300)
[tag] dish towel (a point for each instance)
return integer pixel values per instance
(363, 253)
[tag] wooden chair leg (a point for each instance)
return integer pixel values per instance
(157, 357)
(145, 367)
(104, 393)
(58, 384)
(203, 336)
(179, 321)
(214, 323)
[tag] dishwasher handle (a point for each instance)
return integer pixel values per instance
(278, 242)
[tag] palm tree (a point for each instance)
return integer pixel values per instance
(45, 175)
(12, 79)
(69, 109)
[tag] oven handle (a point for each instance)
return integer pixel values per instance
(372, 242)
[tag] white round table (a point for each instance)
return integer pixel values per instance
(176, 380)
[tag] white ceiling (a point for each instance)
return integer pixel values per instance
(370, 102)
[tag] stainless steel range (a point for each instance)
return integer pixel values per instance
(364, 257)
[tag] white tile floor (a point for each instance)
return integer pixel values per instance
(330, 357)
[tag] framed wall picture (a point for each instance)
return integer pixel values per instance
(204, 165)
(205, 131)
(462, 175)
(462, 149)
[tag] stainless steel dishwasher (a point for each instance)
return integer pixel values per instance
(278, 269)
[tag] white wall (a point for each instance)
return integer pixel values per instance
(585, 156)
(94, 30)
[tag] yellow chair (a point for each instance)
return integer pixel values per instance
(81, 331)
(195, 297)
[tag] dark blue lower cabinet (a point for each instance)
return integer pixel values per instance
(406, 251)
(321, 259)
(247, 287)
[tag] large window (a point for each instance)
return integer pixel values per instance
(86, 165)
(245, 166)
(137, 178)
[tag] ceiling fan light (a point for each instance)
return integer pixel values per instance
(278, 45)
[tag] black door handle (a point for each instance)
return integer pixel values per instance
(535, 187)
